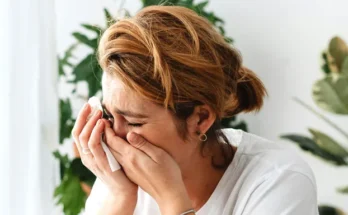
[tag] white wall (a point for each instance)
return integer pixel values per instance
(282, 42)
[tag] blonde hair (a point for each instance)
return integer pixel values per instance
(171, 55)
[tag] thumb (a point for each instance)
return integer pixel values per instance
(142, 144)
(136, 140)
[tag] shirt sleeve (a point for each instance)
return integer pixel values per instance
(289, 193)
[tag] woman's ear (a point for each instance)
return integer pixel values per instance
(200, 120)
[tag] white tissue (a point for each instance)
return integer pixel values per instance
(95, 104)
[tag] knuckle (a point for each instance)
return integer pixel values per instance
(83, 138)
(132, 158)
(139, 143)
(74, 134)
(92, 144)
(128, 152)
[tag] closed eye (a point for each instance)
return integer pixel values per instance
(108, 116)
(135, 124)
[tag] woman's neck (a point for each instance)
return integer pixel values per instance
(201, 178)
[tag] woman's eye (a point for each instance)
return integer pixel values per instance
(106, 114)
(135, 124)
(108, 117)
(111, 120)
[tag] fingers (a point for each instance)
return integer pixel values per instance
(80, 123)
(94, 145)
(117, 156)
(142, 144)
(115, 142)
(87, 130)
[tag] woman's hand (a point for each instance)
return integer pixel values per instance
(154, 170)
(87, 136)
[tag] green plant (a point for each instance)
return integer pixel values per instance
(70, 193)
(330, 94)
(328, 210)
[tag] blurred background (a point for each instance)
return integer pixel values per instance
(48, 71)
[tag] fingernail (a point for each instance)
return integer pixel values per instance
(98, 113)
(100, 122)
(85, 106)
(108, 124)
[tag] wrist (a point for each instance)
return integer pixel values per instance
(175, 203)
(122, 205)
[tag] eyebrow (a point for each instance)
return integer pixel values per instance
(128, 113)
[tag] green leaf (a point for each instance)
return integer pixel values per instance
(64, 159)
(84, 174)
(344, 70)
(88, 70)
(109, 19)
(231, 122)
(228, 40)
(62, 62)
(202, 5)
(70, 194)
(343, 190)
(64, 163)
(328, 144)
(93, 43)
(159, 2)
(183, 3)
(329, 210)
(85, 68)
(241, 125)
(222, 30)
(127, 13)
(66, 122)
(331, 93)
(65, 131)
(60, 67)
(171, 2)
(95, 28)
(68, 54)
(325, 67)
(310, 145)
(213, 18)
(218, 19)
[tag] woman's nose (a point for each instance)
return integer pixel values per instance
(120, 129)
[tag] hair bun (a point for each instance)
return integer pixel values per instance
(248, 95)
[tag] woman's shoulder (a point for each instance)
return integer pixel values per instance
(268, 157)
(264, 178)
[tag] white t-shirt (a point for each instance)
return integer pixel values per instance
(263, 179)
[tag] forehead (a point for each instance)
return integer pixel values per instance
(117, 95)
(112, 87)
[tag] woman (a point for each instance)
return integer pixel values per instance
(169, 79)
